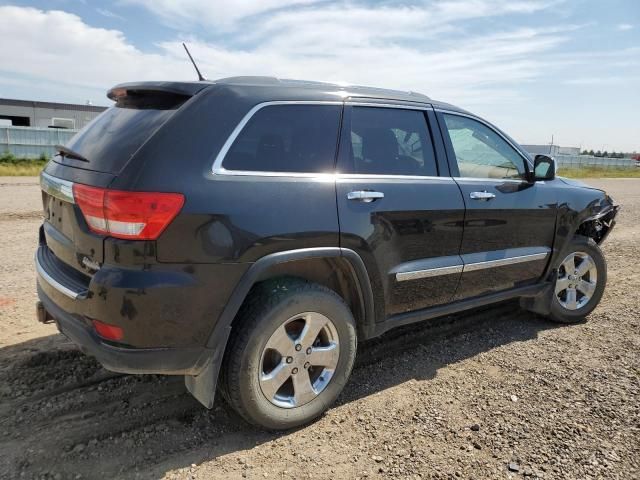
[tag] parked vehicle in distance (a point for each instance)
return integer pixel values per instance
(247, 232)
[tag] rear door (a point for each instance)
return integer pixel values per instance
(510, 222)
(395, 210)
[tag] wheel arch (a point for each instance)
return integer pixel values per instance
(339, 269)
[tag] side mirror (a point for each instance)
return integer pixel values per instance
(544, 168)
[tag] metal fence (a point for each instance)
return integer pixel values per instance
(586, 161)
(29, 142)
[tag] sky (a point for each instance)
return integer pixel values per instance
(567, 68)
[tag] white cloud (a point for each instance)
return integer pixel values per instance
(181, 13)
(80, 56)
(603, 80)
(109, 14)
(417, 47)
(436, 48)
(624, 26)
(387, 46)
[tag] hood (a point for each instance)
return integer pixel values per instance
(577, 183)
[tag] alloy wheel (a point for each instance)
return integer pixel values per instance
(577, 279)
(299, 360)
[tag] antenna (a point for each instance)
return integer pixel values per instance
(200, 77)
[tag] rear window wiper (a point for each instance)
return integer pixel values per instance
(67, 152)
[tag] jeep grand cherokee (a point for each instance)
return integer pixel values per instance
(247, 232)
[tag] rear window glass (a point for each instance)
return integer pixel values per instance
(287, 138)
(109, 141)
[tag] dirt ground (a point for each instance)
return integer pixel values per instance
(496, 393)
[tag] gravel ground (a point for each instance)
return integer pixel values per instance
(494, 393)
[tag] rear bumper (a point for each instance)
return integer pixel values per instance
(158, 306)
(166, 311)
(169, 361)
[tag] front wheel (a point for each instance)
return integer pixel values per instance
(580, 282)
(291, 354)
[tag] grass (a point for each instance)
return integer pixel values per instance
(11, 166)
(599, 172)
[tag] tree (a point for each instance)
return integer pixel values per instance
(591, 152)
(605, 154)
(598, 153)
(584, 152)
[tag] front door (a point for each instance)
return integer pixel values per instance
(509, 223)
(395, 211)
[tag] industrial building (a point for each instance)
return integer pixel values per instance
(29, 129)
(551, 150)
(27, 113)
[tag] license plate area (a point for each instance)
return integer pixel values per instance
(58, 212)
(68, 237)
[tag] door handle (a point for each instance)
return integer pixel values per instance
(364, 195)
(484, 195)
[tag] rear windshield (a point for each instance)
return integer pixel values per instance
(109, 141)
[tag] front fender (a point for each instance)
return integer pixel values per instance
(578, 206)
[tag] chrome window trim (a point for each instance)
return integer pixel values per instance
(425, 107)
(470, 267)
(55, 284)
(373, 176)
(485, 180)
(56, 187)
(217, 167)
(491, 127)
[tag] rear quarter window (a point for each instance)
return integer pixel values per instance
(287, 138)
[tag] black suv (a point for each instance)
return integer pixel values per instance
(247, 232)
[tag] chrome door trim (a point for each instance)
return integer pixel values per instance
(472, 267)
(56, 187)
(431, 272)
(466, 265)
(490, 126)
(217, 167)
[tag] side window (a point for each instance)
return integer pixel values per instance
(481, 152)
(287, 138)
(389, 141)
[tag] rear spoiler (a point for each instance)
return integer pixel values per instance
(186, 89)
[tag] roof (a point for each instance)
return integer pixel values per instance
(279, 85)
(358, 90)
(54, 105)
(190, 88)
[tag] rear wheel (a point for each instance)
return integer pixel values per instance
(291, 355)
(580, 281)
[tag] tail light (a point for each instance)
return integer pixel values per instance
(108, 331)
(128, 215)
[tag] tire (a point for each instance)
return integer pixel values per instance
(258, 354)
(564, 307)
